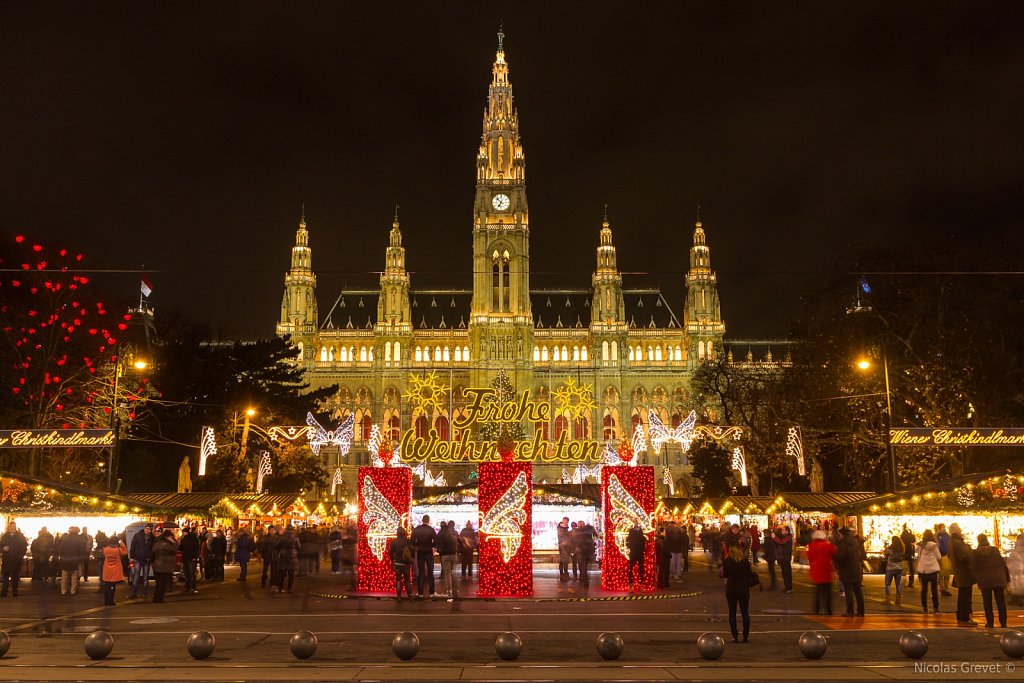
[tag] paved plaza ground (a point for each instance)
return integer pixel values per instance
(253, 627)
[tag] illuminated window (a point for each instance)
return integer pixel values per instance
(365, 427)
(362, 354)
(458, 354)
(711, 351)
(441, 425)
(419, 354)
(608, 427)
(565, 353)
(422, 426)
(657, 353)
(700, 350)
(576, 353)
(582, 429)
(542, 429)
(465, 354)
(604, 351)
(584, 354)
(561, 425)
(323, 354)
(544, 354)
(394, 429)
(536, 354)
(398, 351)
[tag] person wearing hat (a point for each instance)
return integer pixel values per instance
(141, 554)
(963, 578)
(189, 548)
(849, 560)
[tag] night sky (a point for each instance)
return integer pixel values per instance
(186, 136)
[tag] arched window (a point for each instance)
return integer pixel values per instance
(441, 425)
(576, 353)
(584, 354)
(700, 350)
(639, 353)
(565, 353)
(352, 354)
(544, 354)
(447, 356)
(365, 427)
(422, 426)
(542, 429)
(437, 354)
(555, 354)
(536, 354)
(419, 354)
(679, 352)
(458, 354)
(398, 351)
(711, 351)
(650, 354)
(615, 352)
(561, 425)
(371, 354)
(362, 354)
(582, 428)
(604, 350)
(394, 429)
(657, 353)
(465, 354)
(608, 427)
(387, 352)
(505, 273)
(323, 354)
(677, 420)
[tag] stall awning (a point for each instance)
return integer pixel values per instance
(25, 494)
(970, 493)
(202, 501)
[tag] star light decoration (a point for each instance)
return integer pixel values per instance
(795, 449)
(574, 401)
(265, 469)
(384, 504)
(627, 496)
(340, 437)
(207, 447)
(426, 392)
(739, 463)
(965, 496)
(505, 503)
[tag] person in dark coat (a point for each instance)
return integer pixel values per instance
(424, 540)
(401, 554)
(564, 549)
(268, 548)
(42, 548)
(141, 553)
(636, 542)
(963, 579)
(14, 545)
(909, 541)
(165, 551)
(738, 576)
(350, 554)
(287, 556)
(849, 560)
(468, 541)
(334, 548)
(675, 542)
(664, 559)
(783, 541)
(992, 576)
(585, 541)
(216, 549)
(189, 548)
(72, 551)
(244, 548)
(769, 557)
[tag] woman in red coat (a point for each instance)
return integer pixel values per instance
(819, 554)
(113, 570)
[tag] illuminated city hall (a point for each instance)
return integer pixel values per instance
(629, 346)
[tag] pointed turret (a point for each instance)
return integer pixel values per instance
(501, 153)
(393, 310)
(608, 312)
(298, 305)
(703, 315)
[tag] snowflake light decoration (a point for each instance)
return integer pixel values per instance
(426, 392)
(574, 401)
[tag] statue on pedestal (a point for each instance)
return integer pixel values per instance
(817, 476)
(184, 476)
(250, 481)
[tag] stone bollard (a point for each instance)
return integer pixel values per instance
(913, 644)
(813, 645)
(303, 644)
(201, 644)
(99, 644)
(710, 645)
(508, 645)
(405, 645)
(610, 645)
(1011, 643)
(5, 643)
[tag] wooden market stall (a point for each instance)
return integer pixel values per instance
(991, 504)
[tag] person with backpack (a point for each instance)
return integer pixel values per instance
(401, 554)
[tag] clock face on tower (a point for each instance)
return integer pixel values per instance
(500, 202)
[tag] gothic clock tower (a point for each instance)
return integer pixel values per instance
(501, 325)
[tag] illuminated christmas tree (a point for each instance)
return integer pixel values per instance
(504, 433)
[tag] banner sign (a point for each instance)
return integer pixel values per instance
(490, 406)
(385, 496)
(56, 438)
(627, 500)
(957, 436)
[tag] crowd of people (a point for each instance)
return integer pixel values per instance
(412, 557)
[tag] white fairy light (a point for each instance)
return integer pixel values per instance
(739, 462)
(795, 449)
(666, 478)
(625, 514)
(340, 437)
(265, 469)
(381, 518)
(682, 435)
(207, 447)
(336, 480)
(505, 520)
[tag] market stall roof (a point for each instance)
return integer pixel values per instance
(983, 491)
(204, 500)
(25, 493)
(831, 501)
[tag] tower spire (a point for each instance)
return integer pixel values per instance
(396, 215)
(302, 214)
(501, 37)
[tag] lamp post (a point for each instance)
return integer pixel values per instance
(113, 459)
(249, 412)
(864, 364)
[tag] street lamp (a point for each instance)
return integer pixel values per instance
(864, 364)
(113, 459)
(249, 412)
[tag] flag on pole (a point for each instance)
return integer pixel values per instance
(147, 286)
